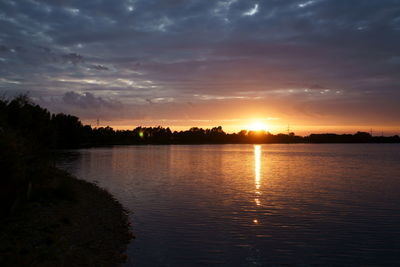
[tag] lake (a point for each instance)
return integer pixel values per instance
(253, 205)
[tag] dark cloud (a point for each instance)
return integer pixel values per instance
(73, 58)
(99, 67)
(174, 52)
(89, 101)
(4, 48)
(86, 105)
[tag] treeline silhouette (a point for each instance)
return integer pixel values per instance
(52, 131)
(159, 135)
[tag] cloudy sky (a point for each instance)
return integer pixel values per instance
(318, 65)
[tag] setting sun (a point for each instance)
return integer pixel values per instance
(257, 126)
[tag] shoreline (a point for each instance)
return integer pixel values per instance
(82, 226)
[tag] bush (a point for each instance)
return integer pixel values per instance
(13, 183)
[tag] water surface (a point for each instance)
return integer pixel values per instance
(245, 205)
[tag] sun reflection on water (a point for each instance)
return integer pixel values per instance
(257, 170)
(257, 160)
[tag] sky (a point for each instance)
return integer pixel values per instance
(315, 65)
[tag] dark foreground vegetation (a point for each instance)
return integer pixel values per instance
(48, 218)
(69, 223)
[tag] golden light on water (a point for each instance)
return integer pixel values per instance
(257, 160)
(257, 171)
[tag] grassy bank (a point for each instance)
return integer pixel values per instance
(69, 223)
